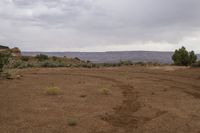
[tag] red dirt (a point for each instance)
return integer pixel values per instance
(141, 100)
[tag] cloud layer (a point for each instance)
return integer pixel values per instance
(100, 25)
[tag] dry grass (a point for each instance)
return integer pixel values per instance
(72, 122)
(105, 91)
(52, 90)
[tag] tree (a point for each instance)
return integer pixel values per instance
(4, 59)
(182, 57)
(193, 57)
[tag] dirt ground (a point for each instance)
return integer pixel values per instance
(140, 100)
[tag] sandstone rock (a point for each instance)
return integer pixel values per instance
(14, 51)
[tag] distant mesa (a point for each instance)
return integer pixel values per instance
(16, 52)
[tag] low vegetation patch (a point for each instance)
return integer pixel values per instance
(105, 91)
(4, 60)
(72, 122)
(52, 90)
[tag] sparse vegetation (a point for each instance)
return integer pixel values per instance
(51, 63)
(42, 57)
(52, 90)
(4, 60)
(182, 57)
(72, 122)
(25, 58)
(104, 91)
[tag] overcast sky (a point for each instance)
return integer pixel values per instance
(100, 25)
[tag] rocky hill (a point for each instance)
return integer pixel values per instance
(16, 52)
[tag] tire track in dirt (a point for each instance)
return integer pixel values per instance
(123, 116)
(189, 88)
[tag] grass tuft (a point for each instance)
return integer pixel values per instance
(53, 90)
(72, 122)
(104, 91)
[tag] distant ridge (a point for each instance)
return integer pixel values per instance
(114, 56)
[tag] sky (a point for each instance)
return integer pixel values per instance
(100, 25)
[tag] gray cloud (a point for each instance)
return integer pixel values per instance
(99, 24)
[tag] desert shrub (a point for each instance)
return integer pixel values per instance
(20, 64)
(111, 64)
(24, 58)
(42, 57)
(8, 74)
(52, 90)
(182, 57)
(76, 58)
(86, 65)
(54, 58)
(51, 63)
(4, 60)
(140, 63)
(126, 63)
(104, 91)
(72, 122)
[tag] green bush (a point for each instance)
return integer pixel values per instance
(51, 63)
(4, 60)
(182, 57)
(25, 58)
(42, 57)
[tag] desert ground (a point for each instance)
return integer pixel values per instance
(139, 100)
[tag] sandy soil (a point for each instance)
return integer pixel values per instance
(141, 100)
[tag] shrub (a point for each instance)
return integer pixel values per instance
(104, 91)
(126, 63)
(76, 58)
(25, 58)
(50, 63)
(182, 57)
(72, 122)
(20, 64)
(42, 57)
(52, 90)
(4, 60)
(8, 74)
